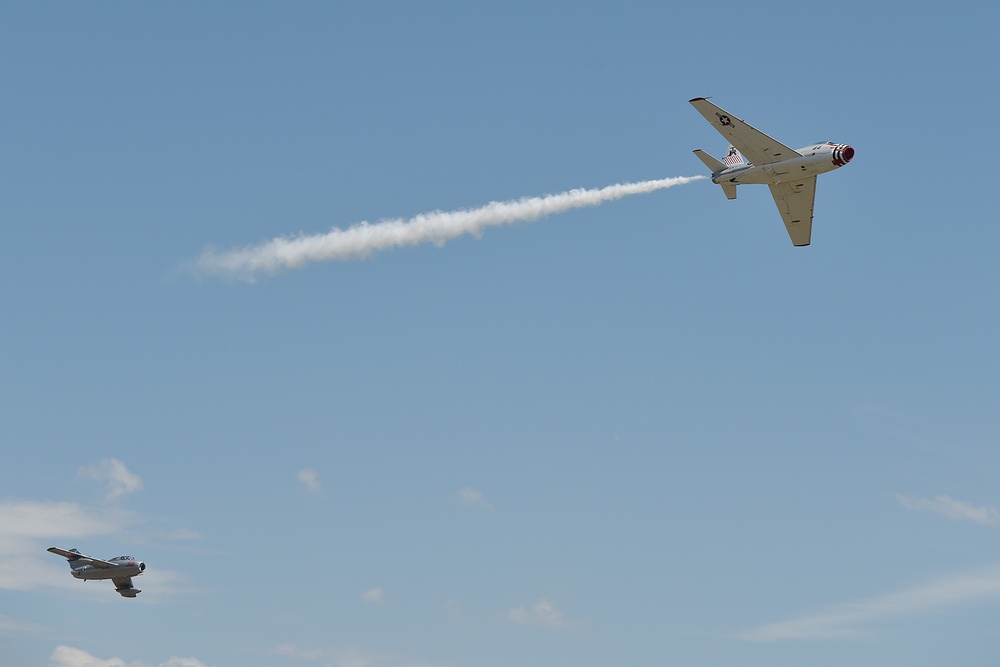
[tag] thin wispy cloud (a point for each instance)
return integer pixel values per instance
(857, 619)
(952, 508)
(542, 613)
(114, 474)
(16, 626)
(68, 656)
(346, 657)
(364, 239)
(373, 596)
(310, 480)
(22, 520)
(468, 496)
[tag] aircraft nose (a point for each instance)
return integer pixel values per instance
(842, 154)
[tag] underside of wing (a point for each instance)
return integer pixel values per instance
(759, 148)
(80, 558)
(795, 203)
(72, 555)
(124, 587)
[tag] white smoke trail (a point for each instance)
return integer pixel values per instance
(360, 240)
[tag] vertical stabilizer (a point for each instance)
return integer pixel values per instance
(733, 157)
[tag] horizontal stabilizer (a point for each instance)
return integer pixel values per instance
(729, 189)
(709, 161)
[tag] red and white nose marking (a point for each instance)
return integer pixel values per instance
(842, 154)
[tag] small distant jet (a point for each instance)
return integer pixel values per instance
(119, 570)
(791, 174)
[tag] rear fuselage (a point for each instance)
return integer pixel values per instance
(813, 160)
(126, 567)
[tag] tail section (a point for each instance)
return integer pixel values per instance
(75, 559)
(728, 188)
(733, 157)
(709, 161)
(73, 556)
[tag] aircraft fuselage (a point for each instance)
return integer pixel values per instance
(812, 160)
(126, 568)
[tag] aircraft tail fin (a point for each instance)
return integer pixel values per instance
(72, 556)
(728, 188)
(733, 157)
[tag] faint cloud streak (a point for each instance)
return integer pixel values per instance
(22, 520)
(469, 496)
(310, 479)
(848, 620)
(346, 657)
(115, 475)
(951, 508)
(68, 656)
(373, 596)
(543, 613)
(16, 626)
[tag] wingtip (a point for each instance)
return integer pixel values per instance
(697, 99)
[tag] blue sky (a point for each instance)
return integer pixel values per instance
(647, 432)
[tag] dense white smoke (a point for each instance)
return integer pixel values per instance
(361, 240)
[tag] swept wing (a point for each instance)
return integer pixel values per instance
(795, 203)
(124, 587)
(759, 148)
(76, 556)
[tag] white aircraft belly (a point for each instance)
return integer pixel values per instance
(796, 168)
(790, 174)
(751, 176)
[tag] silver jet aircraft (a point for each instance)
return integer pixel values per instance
(791, 174)
(119, 570)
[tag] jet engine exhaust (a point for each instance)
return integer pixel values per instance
(363, 239)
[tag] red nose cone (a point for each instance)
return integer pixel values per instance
(842, 154)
